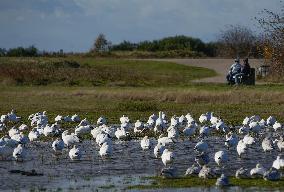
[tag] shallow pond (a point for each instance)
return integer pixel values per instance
(127, 166)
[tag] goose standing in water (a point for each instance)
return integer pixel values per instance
(206, 173)
(82, 130)
(69, 140)
(193, 170)
(160, 124)
(169, 172)
(241, 148)
(277, 126)
(13, 131)
(190, 130)
(105, 150)
(75, 153)
(204, 131)
(242, 173)
(258, 171)
(267, 144)
(280, 143)
(278, 163)
(201, 147)
(20, 153)
(33, 134)
(120, 133)
(202, 159)
(167, 157)
(231, 140)
(21, 138)
(221, 157)
(248, 140)
(145, 143)
(58, 145)
(138, 126)
(158, 150)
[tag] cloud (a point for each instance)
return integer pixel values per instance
(74, 24)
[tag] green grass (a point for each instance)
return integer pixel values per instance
(186, 182)
(76, 71)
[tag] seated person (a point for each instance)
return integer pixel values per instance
(234, 70)
(245, 72)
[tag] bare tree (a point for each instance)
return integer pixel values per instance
(236, 41)
(273, 39)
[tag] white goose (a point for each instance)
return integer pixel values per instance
(13, 117)
(201, 147)
(120, 133)
(33, 134)
(145, 143)
(75, 118)
(221, 157)
(82, 130)
(241, 148)
(167, 157)
(58, 145)
(13, 131)
(278, 163)
(160, 124)
(277, 126)
(69, 139)
(190, 130)
(270, 121)
(20, 138)
(23, 127)
(267, 144)
(258, 171)
(138, 126)
(248, 140)
(75, 153)
(103, 138)
(158, 150)
(20, 153)
(106, 150)
(101, 121)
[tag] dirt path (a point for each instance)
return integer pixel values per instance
(221, 66)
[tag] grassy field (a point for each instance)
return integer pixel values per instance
(134, 88)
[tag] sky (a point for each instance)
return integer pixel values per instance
(73, 25)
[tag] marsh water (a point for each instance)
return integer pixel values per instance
(128, 166)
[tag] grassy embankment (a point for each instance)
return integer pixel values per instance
(186, 182)
(94, 87)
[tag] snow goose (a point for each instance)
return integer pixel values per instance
(103, 138)
(254, 127)
(243, 130)
(278, 163)
(138, 126)
(202, 159)
(174, 121)
(193, 170)
(152, 121)
(49, 130)
(84, 122)
(33, 134)
(20, 138)
(13, 131)
(4, 118)
(101, 121)
(248, 140)
(20, 153)
(189, 118)
(201, 147)
(69, 139)
(222, 181)
(242, 173)
(58, 145)
(231, 140)
(182, 120)
(58, 118)
(204, 131)
(82, 130)
(203, 118)
(221, 157)
(267, 144)
(105, 150)
(167, 157)
(158, 150)
(23, 127)
(13, 117)
(160, 124)
(258, 171)
(165, 140)
(75, 153)
(2, 126)
(280, 143)
(190, 130)
(6, 140)
(145, 143)
(75, 118)
(270, 120)
(241, 148)
(120, 133)
(206, 173)
(277, 126)
(173, 133)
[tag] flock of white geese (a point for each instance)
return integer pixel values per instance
(238, 138)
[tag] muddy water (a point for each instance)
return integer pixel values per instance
(126, 167)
